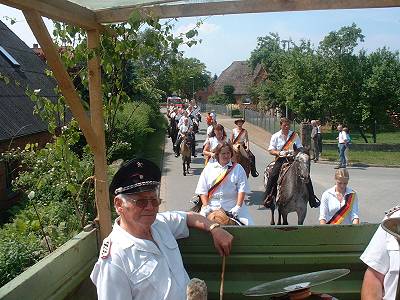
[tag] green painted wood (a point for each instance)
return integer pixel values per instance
(262, 254)
(57, 275)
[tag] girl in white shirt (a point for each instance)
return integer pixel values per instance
(231, 192)
(334, 199)
(210, 147)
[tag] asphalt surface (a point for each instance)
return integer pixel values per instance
(378, 188)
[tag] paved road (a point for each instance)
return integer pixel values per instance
(378, 188)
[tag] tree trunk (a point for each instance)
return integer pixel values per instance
(374, 132)
(361, 130)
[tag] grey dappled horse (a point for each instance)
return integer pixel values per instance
(292, 193)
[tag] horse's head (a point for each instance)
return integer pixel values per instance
(302, 160)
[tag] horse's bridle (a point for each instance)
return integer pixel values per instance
(298, 172)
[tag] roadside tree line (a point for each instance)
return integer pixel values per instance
(332, 82)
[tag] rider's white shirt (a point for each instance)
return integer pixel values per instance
(226, 194)
(183, 128)
(182, 121)
(330, 205)
(382, 255)
(141, 269)
(243, 137)
(278, 140)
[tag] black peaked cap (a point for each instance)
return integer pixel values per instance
(134, 176)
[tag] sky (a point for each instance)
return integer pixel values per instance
(231, 38)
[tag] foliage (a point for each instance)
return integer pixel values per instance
(217, 99)
(228, 91)
(134, 123)
(331, 82)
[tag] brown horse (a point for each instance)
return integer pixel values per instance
(241, 157)
(292, 194)
(186, 155)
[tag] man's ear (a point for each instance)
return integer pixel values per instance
(118, 204)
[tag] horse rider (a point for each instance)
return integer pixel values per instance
(183, 131)
(282, 145)
(218, 138)
(240, 136)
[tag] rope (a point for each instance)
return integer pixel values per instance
(221, 289)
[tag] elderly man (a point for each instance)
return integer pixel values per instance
(140, 259)
(315, 140)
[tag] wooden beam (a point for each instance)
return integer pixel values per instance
(59, 10)
(172, 10)
(64, 81)
(97, 120)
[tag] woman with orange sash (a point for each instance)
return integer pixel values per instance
(218, 138)
(339, 204)
(224, 184)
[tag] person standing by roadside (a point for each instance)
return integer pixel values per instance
(346, 151)
(319, 132)
(342, 144)
(314, 141)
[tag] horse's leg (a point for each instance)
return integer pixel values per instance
(183, 165)
(284, 217)
(272, 214)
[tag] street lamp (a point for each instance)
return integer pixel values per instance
(191, 77)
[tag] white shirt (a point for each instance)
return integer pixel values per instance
(382, 255)
(226, 194)
(319, 129)
(182, 121)
(330, 205)
(183, 128)
(278, 140)
(209, 129)
(213, 142)
(141, 269)
(342, 138)
(243, 137)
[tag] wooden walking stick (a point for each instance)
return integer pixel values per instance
(221, 289)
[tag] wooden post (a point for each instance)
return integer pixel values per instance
(97, 120)
(94, 139)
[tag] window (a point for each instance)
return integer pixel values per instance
(9, 57)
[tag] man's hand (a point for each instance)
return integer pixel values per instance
(222, 241)
(235, 210)
(205, 210)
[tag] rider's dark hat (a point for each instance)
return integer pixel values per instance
(135, 176)
(239, 120)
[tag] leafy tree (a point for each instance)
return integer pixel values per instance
(228, 91)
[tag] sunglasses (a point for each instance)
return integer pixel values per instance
(142, 203)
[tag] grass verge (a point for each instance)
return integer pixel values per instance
(366, 157)
(381, 138)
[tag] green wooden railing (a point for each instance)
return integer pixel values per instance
(262, 254)
(259, 254)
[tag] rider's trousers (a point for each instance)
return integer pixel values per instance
(273, 179)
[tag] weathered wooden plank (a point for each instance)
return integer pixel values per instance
(97, 121)
(59, 10)
(207, 8)
(263, 254)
